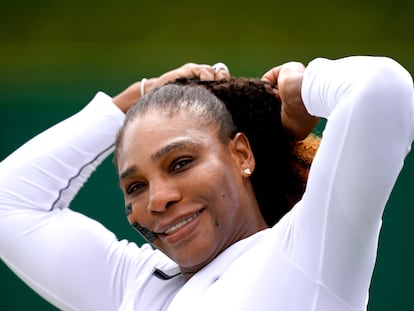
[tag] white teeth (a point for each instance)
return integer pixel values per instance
(177, 226)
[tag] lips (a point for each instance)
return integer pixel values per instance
(176, 227)
(173, 228)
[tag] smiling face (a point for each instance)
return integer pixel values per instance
(187, 186)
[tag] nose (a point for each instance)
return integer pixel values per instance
(162, 194)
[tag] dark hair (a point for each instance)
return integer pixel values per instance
(250, 106)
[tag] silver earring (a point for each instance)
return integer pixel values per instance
(247, 171)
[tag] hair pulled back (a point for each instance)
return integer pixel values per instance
(250, 106)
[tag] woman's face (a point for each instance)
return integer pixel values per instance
(187, 187)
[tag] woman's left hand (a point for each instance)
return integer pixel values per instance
(295, 118)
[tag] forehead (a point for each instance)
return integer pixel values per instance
(154, 123)
(147, 133)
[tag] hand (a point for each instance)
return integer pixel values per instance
(295, 118)
(132, 94)
(192, 70)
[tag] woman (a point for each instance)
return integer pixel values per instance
(187, 179)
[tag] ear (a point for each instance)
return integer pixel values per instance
(243, 153)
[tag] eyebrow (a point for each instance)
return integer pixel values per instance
(177, 145)
(129, 171)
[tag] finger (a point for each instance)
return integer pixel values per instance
(218, 71)
(293, 67)
(272, 75)
(189, 70)
(205, 72)
(221, 71)
(220, 66)
(222, 75)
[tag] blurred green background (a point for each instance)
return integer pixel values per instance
(55, 55)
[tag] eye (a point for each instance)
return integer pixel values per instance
(181, 163)
(134, 188)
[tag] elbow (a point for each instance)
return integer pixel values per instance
(388, 85)
(392, 86)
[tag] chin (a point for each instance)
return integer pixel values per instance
(194, 262)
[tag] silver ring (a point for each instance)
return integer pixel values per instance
(220, 66)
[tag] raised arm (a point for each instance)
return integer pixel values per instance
(68, 258)
(334, 230)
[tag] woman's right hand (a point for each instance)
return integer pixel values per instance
(295, 118)
(132, 94)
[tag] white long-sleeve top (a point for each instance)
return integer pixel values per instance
(320, 256)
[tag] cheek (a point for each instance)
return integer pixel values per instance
(220, 174)
(224, 200)
(224, 209)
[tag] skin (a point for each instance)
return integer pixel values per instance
(132, 94)
(295, 118)
(175, 169)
